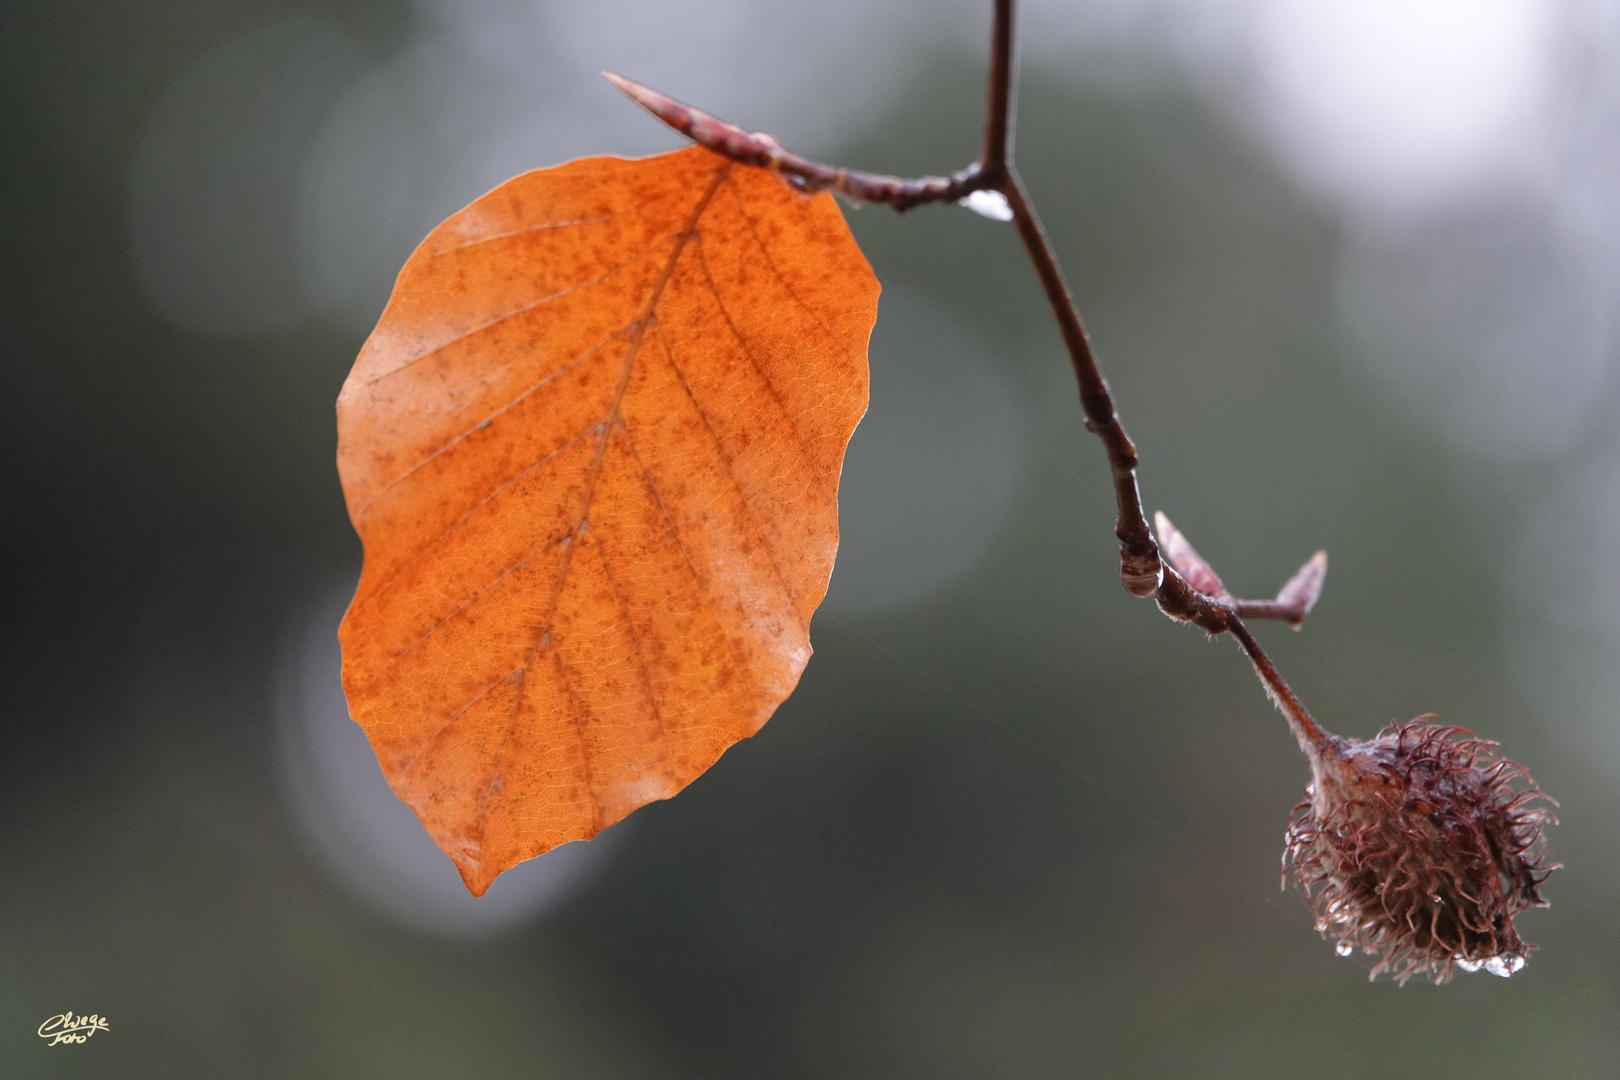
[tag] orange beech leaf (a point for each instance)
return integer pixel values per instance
(592, 450)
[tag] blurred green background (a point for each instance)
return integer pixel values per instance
(1013, 823)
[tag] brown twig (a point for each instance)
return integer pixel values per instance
(1002, 104)
(1140, 568)
(1183, 584)
(1316, 743)
(758, 148)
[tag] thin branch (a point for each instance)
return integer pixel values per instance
(1316, 743)
(1141, 570)
(998, 123)
(758, 148)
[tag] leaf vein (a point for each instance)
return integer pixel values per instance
(545, 380)
(475, 699)
(680, 542)
(753, 231)
(635, 635)
(584, 750)
(456, 524)
(753, 362)
(507, 316)
(543, 226)
(731, 471)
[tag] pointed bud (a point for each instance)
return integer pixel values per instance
(1301, 591)
(1188, 563)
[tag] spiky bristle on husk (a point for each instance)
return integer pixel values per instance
(1416, 848)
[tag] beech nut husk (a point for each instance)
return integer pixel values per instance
(1417, 847)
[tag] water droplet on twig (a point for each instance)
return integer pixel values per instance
(990, 204)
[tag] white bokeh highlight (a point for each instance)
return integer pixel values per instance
(1485, 329)
(933, 469)
(1401, 101)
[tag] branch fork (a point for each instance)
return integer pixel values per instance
(1294, 600)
